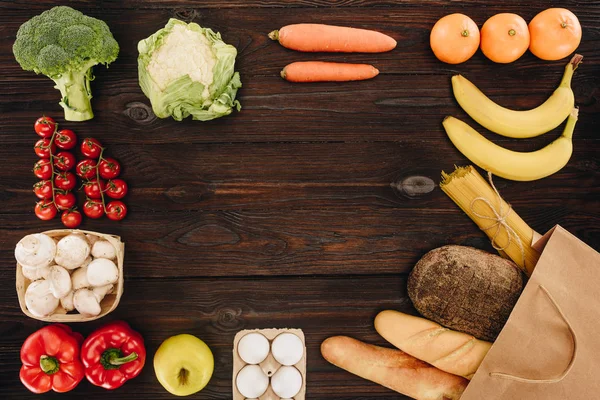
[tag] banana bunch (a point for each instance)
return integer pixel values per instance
(515, 124)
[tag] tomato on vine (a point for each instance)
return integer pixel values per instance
(42, 169)
(43, 190)
(91, 148)
(64, 200)
(45, 127)
(94, 189)
(45, 210)
(71, 218)
(64, 161)
(109, 168)
(93, 209)
(86, 169)
(116, 210)
(43, 148)
(116, 188)
(65, 139)
(65, 181)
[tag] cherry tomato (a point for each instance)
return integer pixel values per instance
(45, 210)
(42, 169)
(94, 189)
(64, 200)
(44, 127)
(91, 148)
(65, 181)
(65, 139)
(71, 218)
(64, 161)
(43, 190)
(109, 168)
(42, 148)
(116, 188)
(86, 169)
(116, 210)
(93, 209)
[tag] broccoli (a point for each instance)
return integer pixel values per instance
(64, 45)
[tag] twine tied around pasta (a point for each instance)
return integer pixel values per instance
(499, 219)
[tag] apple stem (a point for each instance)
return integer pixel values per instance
(183, 376)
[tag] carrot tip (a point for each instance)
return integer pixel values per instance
(274, 35)
(282, 73)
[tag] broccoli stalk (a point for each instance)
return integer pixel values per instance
(64, 45)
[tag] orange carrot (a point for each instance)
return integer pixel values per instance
(319, 71)
(335, 39)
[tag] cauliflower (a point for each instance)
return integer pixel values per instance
(185, 70)
(64, 45)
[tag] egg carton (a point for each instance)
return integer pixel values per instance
(270, 365)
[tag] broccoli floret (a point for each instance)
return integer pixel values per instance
(64, 45)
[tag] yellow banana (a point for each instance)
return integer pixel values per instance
(509, 164)
(518, 124)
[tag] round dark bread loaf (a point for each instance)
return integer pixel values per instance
(465, 289)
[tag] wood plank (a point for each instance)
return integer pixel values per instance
(215, 310)
(171, 177)
(407, 102)
(294, 242)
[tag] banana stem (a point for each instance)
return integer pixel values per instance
(570, 126)
(569, 69)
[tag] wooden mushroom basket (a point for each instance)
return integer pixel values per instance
(270, 365)
(107, 304)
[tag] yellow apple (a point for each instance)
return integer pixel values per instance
(183, 364)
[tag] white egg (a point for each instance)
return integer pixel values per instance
(253, 348)
(251, 381)
(286, 382)
(287, 349)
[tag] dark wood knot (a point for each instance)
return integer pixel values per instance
(140, 112)
(228, 319)
(186, 14)
(413, 186)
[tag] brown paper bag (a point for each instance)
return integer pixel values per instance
(549, 348)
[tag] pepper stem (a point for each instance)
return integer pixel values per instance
(49, 364)
(113, 358)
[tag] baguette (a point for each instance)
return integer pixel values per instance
(393, 369)
(450, 351)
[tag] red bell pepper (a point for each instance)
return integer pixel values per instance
(50, 360)
(112, 355)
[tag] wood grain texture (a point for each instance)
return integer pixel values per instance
(307, 208)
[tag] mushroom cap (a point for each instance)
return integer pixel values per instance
(79, 278)
(86, 303)
(60, 281)
(35, 251)
(101, 272)
(71, 251)
(101, 291)
(67, 301)
(34, 274)
(104, 249)
(39, 299)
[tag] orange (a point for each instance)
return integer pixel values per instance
(555, 33)
(454, 38)
(504, 38)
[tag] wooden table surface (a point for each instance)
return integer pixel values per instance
(297, 211)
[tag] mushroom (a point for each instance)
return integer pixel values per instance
(79, 278)
(104, 249)
(60, 281)
(34, 274)
(35, 251)
(86, 262)
(102, 272)
(72, 250)
(39, 299)
(86, 303)
(101, 291)
(67, 301)
(91, 238)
